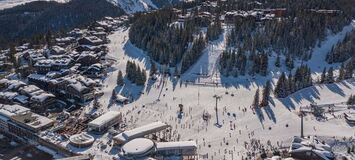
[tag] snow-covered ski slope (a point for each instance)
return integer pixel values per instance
(161, 98)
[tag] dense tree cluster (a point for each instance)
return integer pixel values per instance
(135, 74)
(235, 63)
(214, 30)
(287, 85)
(293, 35)
(194, 53)
(164, 43)
(344, 50)
(35, 19)
(327, 76)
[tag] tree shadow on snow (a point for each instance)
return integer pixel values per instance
(130, 90)
(243, 81)
(137, 54)
(335, 89)
(270, 113)
(260, 115)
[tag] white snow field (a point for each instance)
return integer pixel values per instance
(159, 100)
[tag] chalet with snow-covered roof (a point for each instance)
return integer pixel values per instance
(91, 40)
(100, 34)
(29, 90)
(88, 58)
(43, 66)
(77, 33)
(106, 24)
(7, 97)
(94, 71)
(55, 63)
(33, 55)
(65, 41)
(11, 85)
(57, 50)
(39, 80)
(41, 102)
(82, 48)
(79, 92)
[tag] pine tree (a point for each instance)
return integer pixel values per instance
(289, 62)
(277, 62)
(323, 76)
(349, 70)
(12, 56)
(153, 69)
(290, 84)
(120, 81)
(280, 89)
(256, 99)
(96, 103)
(113, 96)
(341, 73)
(330, 76)
(266, 94)
(351, 100)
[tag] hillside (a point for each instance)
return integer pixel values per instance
(39, 17)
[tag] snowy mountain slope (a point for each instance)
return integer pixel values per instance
(133, 6)
(277, 123)
(11, 3)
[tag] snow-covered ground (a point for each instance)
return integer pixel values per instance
(11, 3)
(161, 98)
(133, 6)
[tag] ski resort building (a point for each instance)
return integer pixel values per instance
(105, 121)
(185, 148)
(143, 147)
(20, 122)
(304, 148)
(140, 132)
(81, 140)
(137, 148)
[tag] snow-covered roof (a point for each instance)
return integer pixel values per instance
(8, 95)
(22, 99)
(302, 145)
(29, 89)
(78, 86)
(42, 97)
(161, 146)
(82, 139)
(104, 119)
(138, 146)
(14, 84)
(141, 131)
(11, 110)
